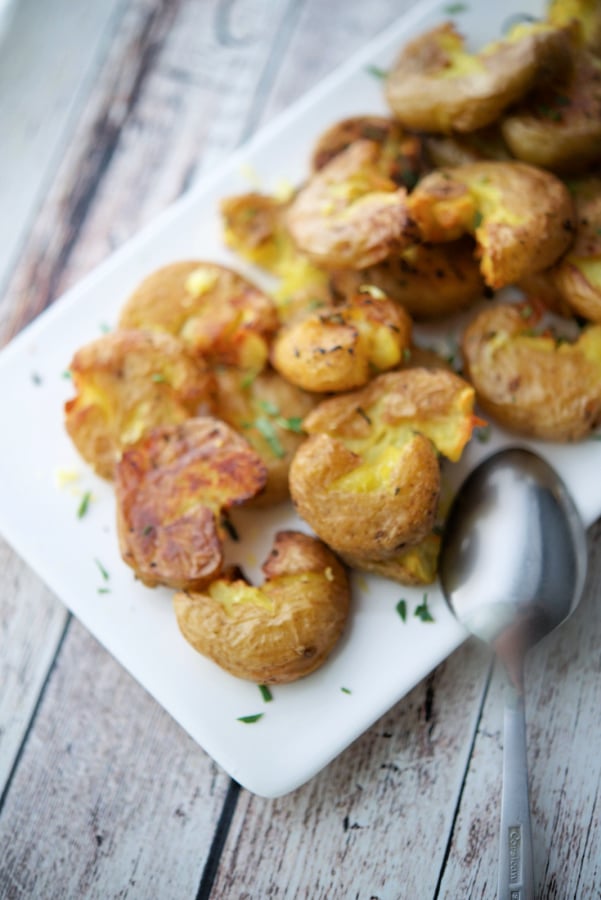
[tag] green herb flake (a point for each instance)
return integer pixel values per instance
(422, 611)
(265, 693)
(377, 72)
(103, 590)
(248, 720)
(105, 329)
(346, 690)
(401, 608)
(477, 222)
(315, 303)
(266, 429)
(272, 409)
(147, 530)
(598, 231)
(83, 506)
(67, 374)
(158, 378)
(294, 423)
(483, 434)
(453, 9)
(102, 570)
(406, 354)
(595, 437)
(360, 411)
(248, 380)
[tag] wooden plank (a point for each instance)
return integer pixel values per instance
(49, 56)
(564, 765)
(111, 797)
(375, 822)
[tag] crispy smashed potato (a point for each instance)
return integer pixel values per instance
(126, 383)
(577, 276)
(521, 217)
(254, 227)
(172, 489)
(349, 214)
(341, 348)
(217, 313)
(400, 156)
(435, 85)
(534, 383)
(278, 632)
(558, 126)
(429, 280)
(268, 412)
(367, 480)
(582, 16)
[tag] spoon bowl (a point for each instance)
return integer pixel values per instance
(512, 568)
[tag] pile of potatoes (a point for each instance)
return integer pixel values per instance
(213, 393)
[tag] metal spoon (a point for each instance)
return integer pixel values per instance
(512, 568)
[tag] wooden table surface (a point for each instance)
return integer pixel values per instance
(110, 109)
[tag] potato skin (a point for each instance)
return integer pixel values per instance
(367, 480)
(425, 94)
(281, 631)
(216, 312)
(577, 275)
(559, 126)
(341, 348)
(428, 280)
(171, 489)
(522, 217)
(533, 384)
(349, 214)
(268, 412)
(126, 383)
(415, 565)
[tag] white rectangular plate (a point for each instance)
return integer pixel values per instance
(380, 658)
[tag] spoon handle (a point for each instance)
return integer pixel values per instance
(516, 875)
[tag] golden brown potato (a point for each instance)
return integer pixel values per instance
(217, 313)
(367, 479)
(268, 411)
(254, 227)
(577, 276)
(172, 488)
(435, 85)
(522, 217)
(126, 383)
(349, 214)
(429, 280)
(400, 156)
(558, 126)
(582, 16)
(342, 348)
(280, 631)
(535, 384)
(460, 149)
(414, 565)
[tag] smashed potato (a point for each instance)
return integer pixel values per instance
(172, 489)
(126, 383)
(429, 280)
(400, 155)
(268, 412)
(435, 85)
(534, 383)
(582, 16)
(577, 276)
(341, 348)
(367, 480)
(521, 217)
(558, 126)
(349, 214)
(280, 631)
(217, 313)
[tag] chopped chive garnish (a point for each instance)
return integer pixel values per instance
(272, 409)
(104, 590)
(345, 690)
(104, 327)
(67, 374)
(376, 71)
(158, 378)
(453, 9)
(526, 311)
(230, 528)
(266, 429)
(102, 570)
(294, 423)
(401, 608)
(422, 611)
(363, 414)
(406, 354)
(83, 506)
(249, 719)
(477, 219)
(248, 380)
(265, 693)
(483, 434)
